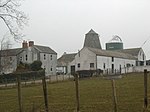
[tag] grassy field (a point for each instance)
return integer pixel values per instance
(95, 96)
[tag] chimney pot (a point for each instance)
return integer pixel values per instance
(31, 43)
(24, 44)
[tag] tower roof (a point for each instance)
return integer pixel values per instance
(92, 40)
(91, 32)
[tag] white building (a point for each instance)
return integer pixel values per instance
(27, 54)
(92, 59)
(64, 63)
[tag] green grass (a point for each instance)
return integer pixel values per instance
(95, 96)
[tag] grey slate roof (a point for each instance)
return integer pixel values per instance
(66, 58)
(131, 51)
(44, 49)
(14, 52)
(108, 53)
(10, 52)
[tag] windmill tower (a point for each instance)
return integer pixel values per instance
(92, 40)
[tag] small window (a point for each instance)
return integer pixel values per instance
(104, 66)
(44, 56)
(10, 58)
(51, 69)
(44, 67)
(78, 65)
(91, 65)
(26, 57)
(20, 58)
(143, 57)
(112, 59)
(51, 57)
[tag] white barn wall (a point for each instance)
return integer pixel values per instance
(135, 69)
(141, 55)
(117, 62)
(85, 57)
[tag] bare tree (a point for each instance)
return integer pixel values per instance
(13, 18)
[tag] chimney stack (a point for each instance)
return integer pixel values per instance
(31, 43)
(24, 44)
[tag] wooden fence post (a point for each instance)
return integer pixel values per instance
(63, 77)
(145, 89)
(19, 92)
(6, 82)
(77, 91)
(114, 95)
(49, 78)
(45, 92)
(56, 78)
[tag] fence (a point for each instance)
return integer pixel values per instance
(92, 95)
(34, 80)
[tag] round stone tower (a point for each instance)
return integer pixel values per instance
(92, 40)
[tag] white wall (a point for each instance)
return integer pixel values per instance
(85, 57)
(49, 63)
(117, 63)
(135, 69)
(141, 55)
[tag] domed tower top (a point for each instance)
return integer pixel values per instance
(92, 40)
(115, 43)
(115, 39)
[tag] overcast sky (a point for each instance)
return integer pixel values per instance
(62, 24)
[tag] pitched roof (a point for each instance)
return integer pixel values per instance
(44, 49)
(66, 58)
(10, 52)
(111, 53)
(131, 51)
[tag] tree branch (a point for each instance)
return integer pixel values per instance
(5, 3)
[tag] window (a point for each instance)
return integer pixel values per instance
(20, 58)
(78, 65)
(51, 57)
(91, 65)
(26, 57)
(10, 58)
(44, 56)
(143, 57)
(104, 66)
(45, 67)
(112, 68)
(112, 59)
(51, 69)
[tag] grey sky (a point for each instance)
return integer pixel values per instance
(62, 24)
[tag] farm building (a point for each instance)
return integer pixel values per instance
(63, 63)
(93, 59)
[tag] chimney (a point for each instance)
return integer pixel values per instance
(31, 43)
(24, 44)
